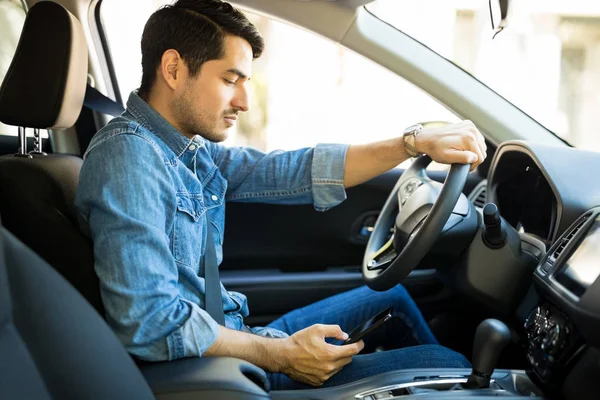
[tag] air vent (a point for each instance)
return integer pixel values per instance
(478, 195)
(565, 240)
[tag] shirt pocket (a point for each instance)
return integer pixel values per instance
(187, 232)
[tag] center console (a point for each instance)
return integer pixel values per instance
(551, 342)
(424, 384)
(564, 329)
(482, 382)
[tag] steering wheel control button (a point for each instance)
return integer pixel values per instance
(494, 235)
(411, 186)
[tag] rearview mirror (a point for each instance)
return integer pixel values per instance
(498, 14)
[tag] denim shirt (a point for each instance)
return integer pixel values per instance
(144, 196)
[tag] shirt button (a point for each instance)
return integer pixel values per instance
(214, 197)
(192, 147)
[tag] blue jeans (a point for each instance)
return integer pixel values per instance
(406, 338)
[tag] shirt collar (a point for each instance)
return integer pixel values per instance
(149, 118)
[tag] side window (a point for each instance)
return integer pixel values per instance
(307, 89)
(12, 17)
(304, 89)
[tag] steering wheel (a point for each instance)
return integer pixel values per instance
(415, 214)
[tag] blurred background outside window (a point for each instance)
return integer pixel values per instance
(304, 89)
(546, 62)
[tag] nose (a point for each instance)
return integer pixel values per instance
(240, 100)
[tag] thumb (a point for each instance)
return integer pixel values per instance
(334, 331)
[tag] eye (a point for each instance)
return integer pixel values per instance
(228, 82)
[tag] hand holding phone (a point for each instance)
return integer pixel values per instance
(369, 326)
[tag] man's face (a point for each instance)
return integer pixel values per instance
(209, 103)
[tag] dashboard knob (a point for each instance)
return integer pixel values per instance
(494, 235)
(530, 321)
(554, 340)
(535, 321)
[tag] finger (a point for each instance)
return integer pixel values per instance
(348, 350)
(316, 382)
(328, 376)
(456, 156)
(312, 379)
(481, 142)
(478, 136)
(333, 331)
(471, 126)
(329, 369)
(470, 144)
(338, 365)
(361, 345)
(343, 362)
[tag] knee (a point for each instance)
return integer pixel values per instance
(445, 357)
(400, 296)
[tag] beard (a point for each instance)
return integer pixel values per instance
(193, 120)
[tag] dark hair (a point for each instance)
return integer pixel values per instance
(197, 30)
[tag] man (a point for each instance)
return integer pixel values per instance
(155, 178)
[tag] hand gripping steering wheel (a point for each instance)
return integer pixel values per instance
(415, 214)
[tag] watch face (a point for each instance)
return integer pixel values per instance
(412, 128)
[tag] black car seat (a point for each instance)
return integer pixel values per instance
(53, 345)
(44, 89)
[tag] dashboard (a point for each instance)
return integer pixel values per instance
(582, 268)
(524, 196)
(552, 194)
(540, 189)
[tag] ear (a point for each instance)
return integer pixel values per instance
(172, 68)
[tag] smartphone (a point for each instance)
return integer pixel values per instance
(369, 326)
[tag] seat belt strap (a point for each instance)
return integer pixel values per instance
(213, 296)
(96, 101)
(214, 302)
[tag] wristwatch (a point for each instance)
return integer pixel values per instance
(409, 137)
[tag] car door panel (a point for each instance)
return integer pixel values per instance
(297, 289)
(298, 256)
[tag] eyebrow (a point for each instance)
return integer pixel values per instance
(238, 73)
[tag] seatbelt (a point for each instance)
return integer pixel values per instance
(214, 302)
(213, 299)
(96, 101)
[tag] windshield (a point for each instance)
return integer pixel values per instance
(546, 61)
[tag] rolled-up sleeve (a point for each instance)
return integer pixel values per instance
(126, 203)
(327, 175)
(303, 176)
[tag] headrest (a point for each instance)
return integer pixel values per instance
(45, 84)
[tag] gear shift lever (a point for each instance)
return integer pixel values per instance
(491, 338)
